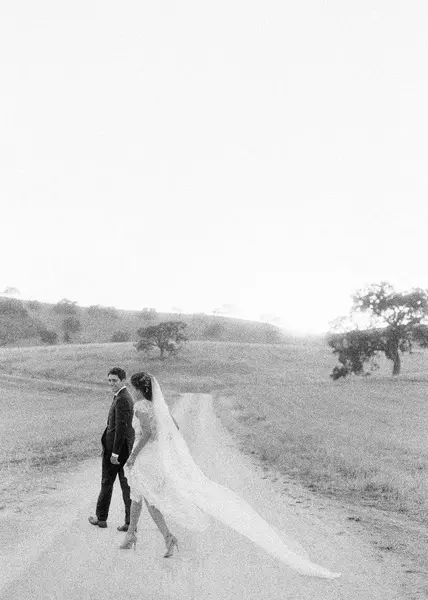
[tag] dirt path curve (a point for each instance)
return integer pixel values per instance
(54, 553)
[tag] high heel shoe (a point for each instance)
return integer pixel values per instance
(170, 546)
(129, 541)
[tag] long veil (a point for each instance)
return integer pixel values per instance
(189, 497)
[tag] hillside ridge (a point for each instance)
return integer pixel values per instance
(30, 322)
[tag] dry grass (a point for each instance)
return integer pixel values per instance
(361, 439)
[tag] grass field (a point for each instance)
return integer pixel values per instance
(362, 440)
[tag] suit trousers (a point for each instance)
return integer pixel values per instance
(108, 477)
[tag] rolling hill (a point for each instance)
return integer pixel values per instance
(27, 323)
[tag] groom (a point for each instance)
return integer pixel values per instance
(117, 441)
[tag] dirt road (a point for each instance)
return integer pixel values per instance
(50, 551)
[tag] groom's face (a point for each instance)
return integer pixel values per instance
(115, 383)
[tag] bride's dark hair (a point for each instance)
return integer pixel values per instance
(142, 382)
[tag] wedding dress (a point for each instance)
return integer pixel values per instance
(166, 475)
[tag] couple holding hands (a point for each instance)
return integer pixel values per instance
(142, 445)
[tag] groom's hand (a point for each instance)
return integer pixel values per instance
(113, 459)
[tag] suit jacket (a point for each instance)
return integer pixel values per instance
(119, 435)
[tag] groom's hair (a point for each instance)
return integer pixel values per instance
(119, 372)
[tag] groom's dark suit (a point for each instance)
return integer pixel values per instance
(118, 438)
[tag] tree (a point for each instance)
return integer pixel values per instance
(149, 314)
(65, 307)
(15, 322)
(355, 349)
(420, 335)
(11, 291)
(69, 326)
(168, 336)
(12, 307)
(395, 323)
(96, 310)
(34, 305)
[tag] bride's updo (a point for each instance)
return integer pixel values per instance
(143, 383)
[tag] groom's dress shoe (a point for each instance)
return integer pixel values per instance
(95, 521)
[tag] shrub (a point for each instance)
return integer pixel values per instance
(213, 331)
(120, 336)
(48, 336)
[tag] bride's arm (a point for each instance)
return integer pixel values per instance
(146, 434)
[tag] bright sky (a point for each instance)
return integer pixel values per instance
(271, 155)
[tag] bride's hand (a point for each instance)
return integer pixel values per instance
(130, 462)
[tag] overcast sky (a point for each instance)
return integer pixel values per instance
(272, 155)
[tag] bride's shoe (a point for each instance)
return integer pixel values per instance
(172, 541)
(129, 541)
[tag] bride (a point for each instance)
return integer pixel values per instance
(162, 472)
